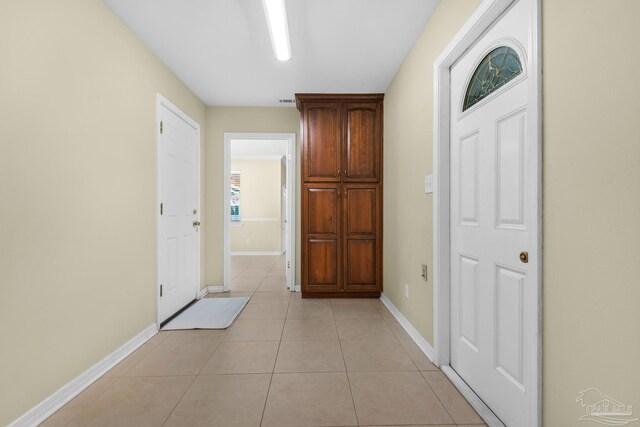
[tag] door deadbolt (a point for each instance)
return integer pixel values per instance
(196, 223)
(524, 257)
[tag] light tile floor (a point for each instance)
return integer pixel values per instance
(286, 361)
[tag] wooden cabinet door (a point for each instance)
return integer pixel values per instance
(362, 238)
(362, 136)
(321, 251)
(321, 148)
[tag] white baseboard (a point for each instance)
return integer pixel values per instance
(57, 400)
(408, 327)
(255, 253)
(210, 290)
(203, 292)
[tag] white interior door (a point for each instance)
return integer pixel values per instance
(178, 223)
(290, 229)
(283, 219)
(493, 204)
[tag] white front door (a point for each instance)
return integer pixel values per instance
(493, 207)
(178, 189)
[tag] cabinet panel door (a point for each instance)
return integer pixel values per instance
(362, 136)
(361, 265)
(362, 239)
(322, 147)
(322, 210)
(323, 274)
(361, 210)
(321, 247)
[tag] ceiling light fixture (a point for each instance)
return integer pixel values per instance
(276, 14)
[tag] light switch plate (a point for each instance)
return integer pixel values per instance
(428, 184)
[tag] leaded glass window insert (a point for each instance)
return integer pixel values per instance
(498, 68)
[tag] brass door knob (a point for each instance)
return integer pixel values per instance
(196, 223)
(524, 257)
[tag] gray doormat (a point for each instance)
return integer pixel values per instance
(208, 313)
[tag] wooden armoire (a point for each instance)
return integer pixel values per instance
(341, 194)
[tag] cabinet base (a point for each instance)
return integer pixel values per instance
(307, 294)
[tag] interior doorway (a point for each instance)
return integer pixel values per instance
(259, 212)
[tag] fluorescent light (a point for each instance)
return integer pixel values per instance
(276, 14)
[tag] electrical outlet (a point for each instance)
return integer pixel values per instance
(424, 272)
(247, 241)
(406, 290)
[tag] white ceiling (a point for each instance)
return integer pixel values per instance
(222, 51)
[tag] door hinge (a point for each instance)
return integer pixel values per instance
(161, 127)
(288, 264)
(161, 208)
(160, 291)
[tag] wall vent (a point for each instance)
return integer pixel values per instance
(287, 101)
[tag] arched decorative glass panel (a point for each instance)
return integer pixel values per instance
(499, 67)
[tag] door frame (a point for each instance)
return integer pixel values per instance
(483, 19)
(290, 138)
(161, 101)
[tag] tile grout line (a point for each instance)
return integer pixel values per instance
(346, 371)
(398, 339)
(438, 397)
(215, 350)
(266, 398)
(83, 409)
(151, 350)
(180, 400)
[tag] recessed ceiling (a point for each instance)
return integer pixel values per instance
(222, 51)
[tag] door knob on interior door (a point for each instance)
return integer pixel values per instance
(196, 223)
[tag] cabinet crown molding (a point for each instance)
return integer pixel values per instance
(301, 98)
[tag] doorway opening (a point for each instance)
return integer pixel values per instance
(259, 212)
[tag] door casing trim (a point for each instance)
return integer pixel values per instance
(290, 138)
(483, 18)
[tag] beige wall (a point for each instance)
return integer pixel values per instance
(239, 119)
(591, 173)
(408, 112)
(260, 193)
(77, 191)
